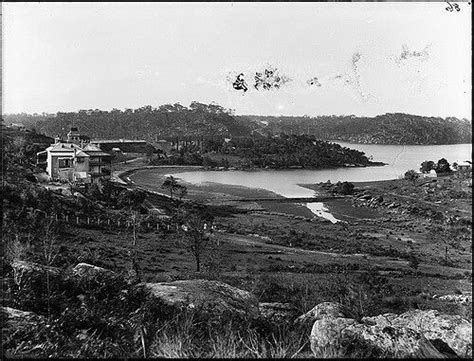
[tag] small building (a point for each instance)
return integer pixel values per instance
(66, 162)
(75, 160)
(129, 148)
(463, 166)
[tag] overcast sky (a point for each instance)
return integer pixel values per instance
(368, 58)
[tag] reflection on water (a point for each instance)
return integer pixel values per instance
(399, 159)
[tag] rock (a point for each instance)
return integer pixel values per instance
(323, 310)
(380, 320)
(28, 271)
(91, 272)
(344, 337)
(453, 330)
(14, 320)
(325, 338)
(277, 312)
(210, 297)
(460, 299)
(394, 342)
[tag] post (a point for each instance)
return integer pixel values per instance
(77, 219)
(88, 220)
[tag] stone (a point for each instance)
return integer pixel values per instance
(87, 271)
(453, 330)
(14, 320)
(205, 296)
(386, 341)
(320, 311)
(277, 312)
(24, 271)
(325, 338)
(380, 320)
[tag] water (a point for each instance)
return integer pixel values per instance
(399, 158)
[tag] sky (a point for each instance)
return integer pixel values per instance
(364, 58)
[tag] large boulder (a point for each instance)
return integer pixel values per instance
(277, 312)
(211, 297)
(333, 337)
(394, 342)
(453, 330)
(320, 311)
(15, 320)
(85, 271)
(325, 338)
(26, 272)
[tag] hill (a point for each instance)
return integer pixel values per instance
(211, 120)
(165, 122)
(390, 128)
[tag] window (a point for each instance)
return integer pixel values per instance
(65, 163)
(80, 159)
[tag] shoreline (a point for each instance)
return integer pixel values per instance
(217, 193)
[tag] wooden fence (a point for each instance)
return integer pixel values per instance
(104, 222)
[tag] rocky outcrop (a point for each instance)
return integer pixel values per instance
(85, 271)
(320, 311)
(277, 312)
(387, 341)
(325, 338)
(415, 333)
(14, 320)
(453, 330)
(24, 271)
(345, 337)
(205, 296)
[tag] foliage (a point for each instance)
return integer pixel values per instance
(443, 166)
(390, 128)
(285, 151)
(411, 175)
(427, 166)
(171, 184)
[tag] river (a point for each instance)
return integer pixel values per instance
(399, 159)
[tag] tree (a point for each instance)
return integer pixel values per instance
(427, 166)
(195, 229)
(171, 184)
(442, 166)
(132, 203)
(182, 191)
(411, 175)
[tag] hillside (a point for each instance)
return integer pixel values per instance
(390, 128)
(211, 120)
(167, 121)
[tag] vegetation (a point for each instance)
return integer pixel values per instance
(207, 122)
(111, 317)
(390, 128)
(411, 175)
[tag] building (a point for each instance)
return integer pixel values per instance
(69, 161)
(129, 148)
(66, 162)
(99, 162)
(463, 166)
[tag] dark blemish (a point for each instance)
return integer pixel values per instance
(407, 54)
(314, 81)
(269, 79)
(239, 83)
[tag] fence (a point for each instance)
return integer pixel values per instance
(104, 222)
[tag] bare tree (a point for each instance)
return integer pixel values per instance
(196, 228)
(49, 253)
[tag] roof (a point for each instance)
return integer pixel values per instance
(63, 147)
(95, 151)
(132, 146)
(80, 153)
